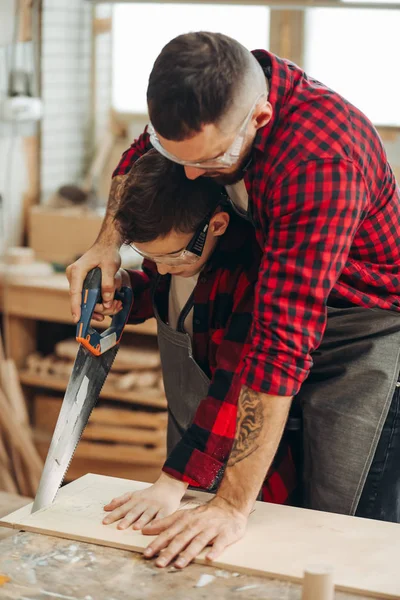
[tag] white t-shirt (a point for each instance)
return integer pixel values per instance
(238, 194)
(182, 287)
(179, 293)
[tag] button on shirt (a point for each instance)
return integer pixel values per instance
(326, 209)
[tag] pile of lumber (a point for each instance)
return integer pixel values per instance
(20, 463)
(120, 440)
(133, 368)
(126, 432)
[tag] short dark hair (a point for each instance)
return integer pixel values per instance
(157, 198)
(193, 82)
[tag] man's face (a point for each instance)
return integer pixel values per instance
(211, 143)
(207, 144)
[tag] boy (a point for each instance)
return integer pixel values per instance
(200, 268)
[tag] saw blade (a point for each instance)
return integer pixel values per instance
(88, 376)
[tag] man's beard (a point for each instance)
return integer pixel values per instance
(232, 177)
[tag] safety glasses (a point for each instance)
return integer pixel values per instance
(227, 160)
(190, 255)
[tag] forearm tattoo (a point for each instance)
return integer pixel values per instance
(117, 186)
(250, 420)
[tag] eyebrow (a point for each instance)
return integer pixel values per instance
(174, 251)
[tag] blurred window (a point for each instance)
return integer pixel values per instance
(140, 31)
(356, 52)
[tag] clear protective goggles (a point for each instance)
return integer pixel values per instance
(227, 160)
(189, 255)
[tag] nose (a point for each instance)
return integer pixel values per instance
(162, 269)
(194, 172)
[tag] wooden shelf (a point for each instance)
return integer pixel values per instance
(49, 301)
(106, 459)
(149, 397)
(113, 452)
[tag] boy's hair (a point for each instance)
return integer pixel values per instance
(157, 198)
(200, 78)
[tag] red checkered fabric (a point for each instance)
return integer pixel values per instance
(326, 209)
(222, 317)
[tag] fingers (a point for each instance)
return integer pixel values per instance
(146, 517)
(171, 531)
(132, 515)
(117, 514)
(221, 542)
(116, 502)
(175, 546)
(161, 525)
(194, 548)
(100, 310)
(108, 284)
(76, 276)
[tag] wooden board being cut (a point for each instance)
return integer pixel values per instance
(280, 541)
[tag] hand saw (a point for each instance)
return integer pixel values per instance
(95, 356)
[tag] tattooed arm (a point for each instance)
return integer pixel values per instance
(104, 254)
(260, 424)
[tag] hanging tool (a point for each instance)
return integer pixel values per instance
(93, 362)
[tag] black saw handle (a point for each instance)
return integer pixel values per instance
(98, 343)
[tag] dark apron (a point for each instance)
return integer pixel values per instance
(185, 382)
(345, 402)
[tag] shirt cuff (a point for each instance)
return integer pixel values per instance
(193, 466)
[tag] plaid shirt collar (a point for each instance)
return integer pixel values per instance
(230, 245)
(271, 66)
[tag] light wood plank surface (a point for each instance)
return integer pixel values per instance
(280, 541)
(50, 568)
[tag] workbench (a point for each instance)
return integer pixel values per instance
(41, 567)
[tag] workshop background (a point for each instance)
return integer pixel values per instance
(73, 77)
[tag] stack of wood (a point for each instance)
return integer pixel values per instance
(126, 438)
(133, 368)
(20, 463)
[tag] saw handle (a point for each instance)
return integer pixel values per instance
(98, 343)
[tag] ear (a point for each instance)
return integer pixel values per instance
(219, 223)
(263, 114)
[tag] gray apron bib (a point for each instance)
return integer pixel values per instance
(185, 382)
(345, 402)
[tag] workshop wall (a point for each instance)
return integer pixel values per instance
(12, 166)
(66, 63)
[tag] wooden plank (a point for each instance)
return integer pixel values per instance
(108, 452)
(47, 408)
(150, 397)
(364, 553)
(128, 357)
(49, 301)
(8, 503)
(124, 435)
(81, 465)
(89, 571)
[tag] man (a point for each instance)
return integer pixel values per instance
(207, 261)
(326, 323)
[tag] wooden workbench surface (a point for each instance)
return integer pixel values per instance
(41, 567)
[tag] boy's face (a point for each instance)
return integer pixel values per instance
(175, 242)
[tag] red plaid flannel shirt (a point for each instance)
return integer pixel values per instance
(222, 318)
(326, 209)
